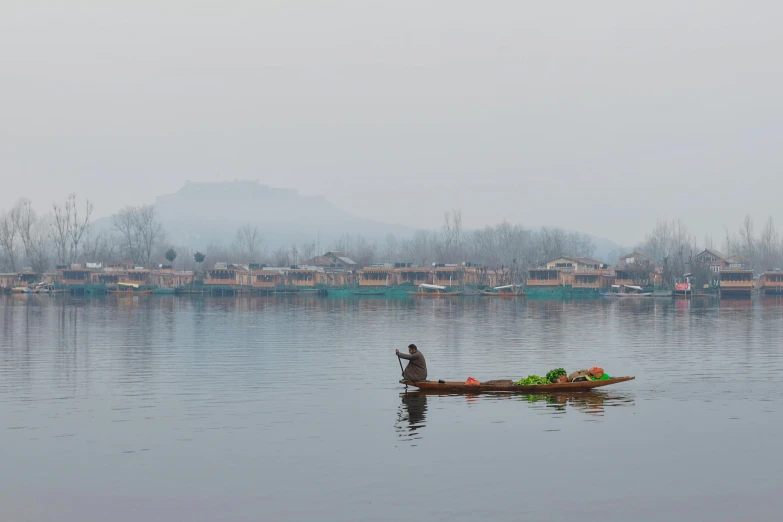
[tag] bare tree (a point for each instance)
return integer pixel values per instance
(147, 231)
(32, 231)
(101, 247)
(9, 222)
(768, 246)
(125, 224)
(748, 238)
(77, 225)
(671, 245)
(450, 247)
(308, 251)
(248, 242)
(280, 257)
(60, 232)
(391, 251)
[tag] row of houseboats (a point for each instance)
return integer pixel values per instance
(337, 276)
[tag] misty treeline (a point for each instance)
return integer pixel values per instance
(502, 245)
(672, 246)
(66, 235)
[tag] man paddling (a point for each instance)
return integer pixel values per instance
(417, 366)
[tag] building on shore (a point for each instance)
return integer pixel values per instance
(413, 275)
(545, 282)
(575, 263)
(377, 276)
(636, 269)
(167, 278)
(591, 281)
(736, 283)
(771, 282)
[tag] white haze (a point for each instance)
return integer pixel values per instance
(595, 116)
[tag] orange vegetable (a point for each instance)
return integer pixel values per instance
(596, 372)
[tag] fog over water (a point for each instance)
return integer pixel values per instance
(601, 118)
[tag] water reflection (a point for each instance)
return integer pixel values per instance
(412, 412)
(411, 415)
(592, 402)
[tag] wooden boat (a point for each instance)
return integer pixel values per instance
(505, 291)
(539, 388)
(626, 291)
(130, 289)
(435, 291)
(21, 290)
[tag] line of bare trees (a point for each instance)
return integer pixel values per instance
(31, 240)
(65, 235)
(672, 246)
(508, 246)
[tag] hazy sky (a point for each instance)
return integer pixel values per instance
(597, 116)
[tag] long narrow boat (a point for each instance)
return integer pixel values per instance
(541, 388)
(505, 291)
(626, 291)
(130, 289)
(435, 291)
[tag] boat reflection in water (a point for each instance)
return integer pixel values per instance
(412, 412)
(591, 403)
(411, 415)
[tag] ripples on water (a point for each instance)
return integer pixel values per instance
(165, 408)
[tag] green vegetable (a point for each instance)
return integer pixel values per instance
(554, 374)
(532, 379)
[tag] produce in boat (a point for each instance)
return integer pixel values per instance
(554, 375)
(532, 379)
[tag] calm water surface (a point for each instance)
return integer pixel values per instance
(164, 408)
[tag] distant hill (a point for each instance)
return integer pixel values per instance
(211, 212)
(200, 213)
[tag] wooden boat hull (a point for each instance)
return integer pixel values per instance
(437, 294)
(503, 294)
(125, 292)
(537, 388)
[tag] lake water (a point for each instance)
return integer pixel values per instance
(288, 409)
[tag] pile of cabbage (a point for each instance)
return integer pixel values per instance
(551, 377)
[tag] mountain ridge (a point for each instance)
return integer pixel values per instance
(201, 213)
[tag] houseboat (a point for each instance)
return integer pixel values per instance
(76, 280)
(302, 280)
(267, 280)
(545, 282)
(166, 280)
(398, 280)
(221, 280)
(771, 283)
(735, 283)
(413, 276)
(376, 278)
(590, 283)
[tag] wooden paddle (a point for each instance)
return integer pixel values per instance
(401, 370)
